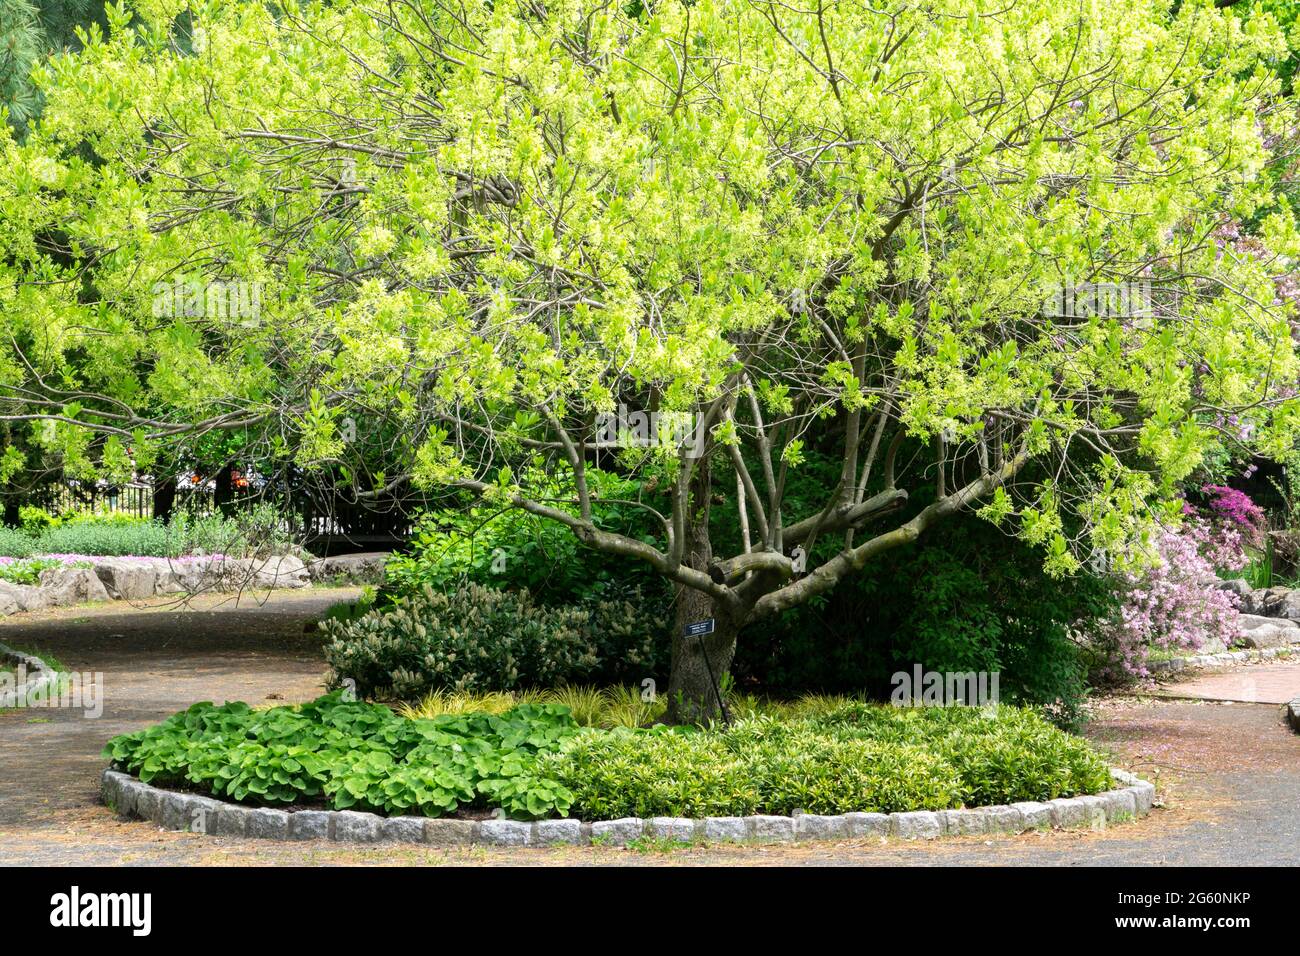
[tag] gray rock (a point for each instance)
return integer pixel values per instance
(1263, 602)
(364, 568)
(1119, 805)
(725, 829)
(866, 824)
(1266, 636)
(618, 832)
(402, 830)
(450, 832)
(972, 822)
(201, 814)
(175, 812)
(110, 786)
(1144, 795)
(1094, 809)
(67, 586)
(279, 571)
(1251, 621)
(309, 825)
(557, 832)
(1004, 820)
(772, 829)
(915, 825)
(667, 828)
(127, 580)
(176, 576)
(148, 804)
(1068, 813)
(351, 826)
(232, 820)
(225, 574)
(1238, 586)
(25, 597)
(126, 797)
(1286, 605)
(267, 824)
(1036, 816)
(8, 604)
(505, 832)
(812, 826)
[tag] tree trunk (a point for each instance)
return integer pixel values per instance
(698, 683)
(699, 663)
(164, 498)
(223, 494)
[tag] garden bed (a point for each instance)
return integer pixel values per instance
(174, 810)
(858, 768)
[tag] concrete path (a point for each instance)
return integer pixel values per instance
(1250, 684)
(1228, 774)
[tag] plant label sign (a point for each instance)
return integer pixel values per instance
(698, 628)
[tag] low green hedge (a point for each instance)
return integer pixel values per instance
(535, 761)
(475, 638)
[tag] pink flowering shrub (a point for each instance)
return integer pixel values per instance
(1234, 517)
(1175, 604)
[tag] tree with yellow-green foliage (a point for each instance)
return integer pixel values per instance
(504, 232)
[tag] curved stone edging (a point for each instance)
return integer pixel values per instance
(1293, 714)
(131, 798)
(45, 677)
(1176, 664)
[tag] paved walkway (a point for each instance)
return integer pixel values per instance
(1229, 774)
(1250, 684)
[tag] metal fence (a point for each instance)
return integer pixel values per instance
(135, 498)
(323, 521)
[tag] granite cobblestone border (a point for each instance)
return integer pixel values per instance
(44, 677)
(132, 799)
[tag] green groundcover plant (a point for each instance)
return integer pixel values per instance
(535, 760)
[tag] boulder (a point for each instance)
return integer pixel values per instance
(1286, 605)
(223, 574)
(24, 596)
(279, 571)
(8, 603)
(1251, 621)
(364, 568)
(177, 575)
(1238, 586)
(1264, 602)
(127, 580)
(1269, 635)
(67, 586)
